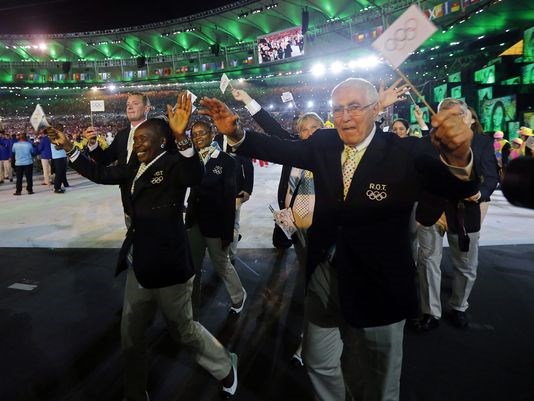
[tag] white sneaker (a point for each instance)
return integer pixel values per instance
(229, 392)
(238, 310)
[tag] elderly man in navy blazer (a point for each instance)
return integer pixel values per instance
(360, 268)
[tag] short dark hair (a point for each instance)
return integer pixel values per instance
(161, 128)
(403, 122)
(146, 100)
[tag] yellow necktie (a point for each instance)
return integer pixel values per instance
(349, 167)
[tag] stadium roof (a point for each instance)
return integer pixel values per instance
(224, 23)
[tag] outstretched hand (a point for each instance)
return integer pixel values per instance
(180, 114)
(241, 96)
(59, 139)
(224, 119)
(391, 95)
(452, 137)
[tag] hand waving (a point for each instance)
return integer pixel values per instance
(391, 95)
(180, 114)
(223, 118)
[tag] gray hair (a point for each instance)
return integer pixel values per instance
(450, 102)
(359, 84)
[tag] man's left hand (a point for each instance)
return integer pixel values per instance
(452, 137)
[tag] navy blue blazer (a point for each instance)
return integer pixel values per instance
(370, 229)
(211, 204)
(161, 252)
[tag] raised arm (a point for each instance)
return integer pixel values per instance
(95, 172)
(260, 115)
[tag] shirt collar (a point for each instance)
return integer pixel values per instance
(366, 141)
(155, 158)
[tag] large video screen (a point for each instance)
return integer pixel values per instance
(528, 45)
(528, 119)
(456, 92)
(280, 45)
(424, 109)
(496, 113)
(485, 94)
(440, 92)
(485, 75)
(527, 74)
(456, 77)
(512, 81)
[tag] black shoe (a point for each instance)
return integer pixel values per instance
(30, 192)
(427, 323)
(228, 392)
(17, 194)
(459, 319)
(59, 191)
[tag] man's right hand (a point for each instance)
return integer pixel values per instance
(90, 133)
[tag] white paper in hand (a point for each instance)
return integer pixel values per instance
(285, 220)
(193, 99)
(225, 81)
(97, 105)
(287, 97)
(38, 118)
(404, 36)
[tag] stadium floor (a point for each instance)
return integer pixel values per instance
(60, 340)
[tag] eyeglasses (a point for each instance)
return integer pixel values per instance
(353, 109)
(200, 133)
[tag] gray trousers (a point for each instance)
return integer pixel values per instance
(345, 362)
(221, 263)
(139, 308)
(429, 271)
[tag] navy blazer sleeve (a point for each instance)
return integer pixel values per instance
(99, 173)
(270, 125)
(248, 174)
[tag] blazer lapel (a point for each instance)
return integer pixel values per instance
(154, 172)
(334, 168)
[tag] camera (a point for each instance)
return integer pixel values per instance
(518, 182)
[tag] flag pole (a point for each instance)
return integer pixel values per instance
(92, 118)
(398, 71)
